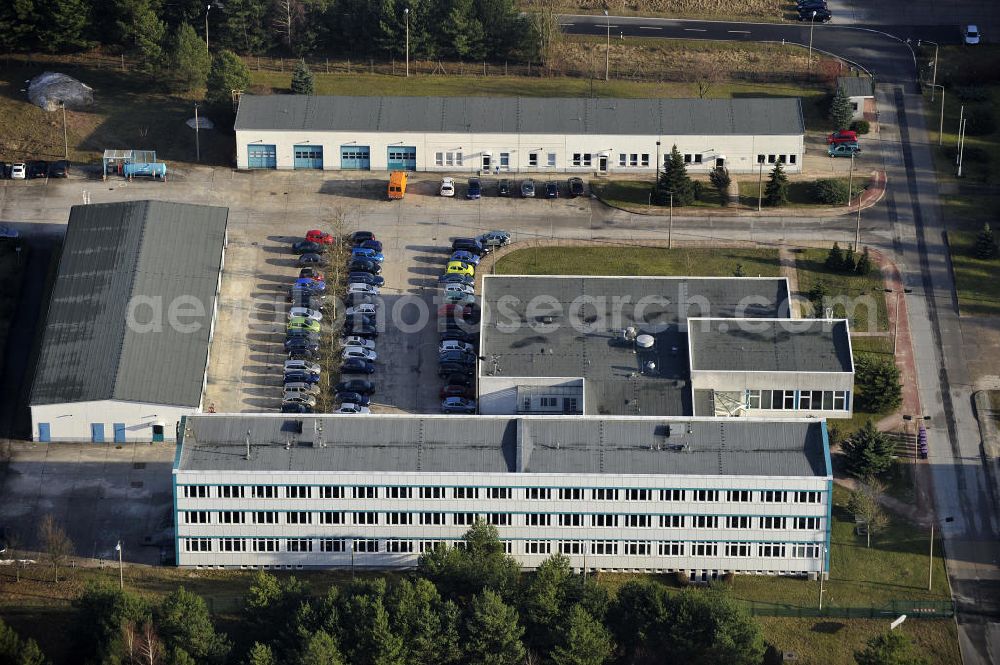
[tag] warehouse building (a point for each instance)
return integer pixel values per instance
(124, 349)
(515, 134)
(704, 496)
(609, 345)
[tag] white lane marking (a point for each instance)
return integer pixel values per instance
(695, 30)
(738, 32)
(565, 24)
(649, 27)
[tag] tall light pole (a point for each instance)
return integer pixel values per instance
(961, 145)
(208, 8)
(657, 164)
(934, 77)
(850, 184)
(197, 141)
(66, 136)
(406, 13)
(607, 53)
(811, 24)
(857, 228)
(760, 186)
(121, 569)
(670, 225)
(822, 564)
(941, 124)
(895, 327)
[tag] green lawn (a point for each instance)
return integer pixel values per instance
(976, 280)
(799, 192)
(862, 294)
(627, 260)
(635, 194)
(765, 10)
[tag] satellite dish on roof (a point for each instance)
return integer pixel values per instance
(644, 341)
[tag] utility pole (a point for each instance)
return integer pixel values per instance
(941, 124)
(934, 77)
(811, 24)
(406, 13)
(197, 141)
(822, 564)
(66, 136)
(657, 164)
(930, 562)
(961, 146)
(208, 8)
(121, 569)
(857, 229)
(958, 142)
(760, 187)
(607, 53)
(850, 184)
(670, 224)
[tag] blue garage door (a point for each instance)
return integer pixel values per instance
(119, 432)
(308, 156)
(262, 156)
(403, 158)
(355, 157)
(97, 432)
(44, 433)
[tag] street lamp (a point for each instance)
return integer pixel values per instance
(941, 124)
(760, 185)
(811, 24)
(930, 563)
(197, 141)
(934, 77)
(66, 136)
(208, 8)
(607, 53)
(670, 224)
(657, 164)
(895, 319)
(121, 572)
(406, 13)
(850, 183)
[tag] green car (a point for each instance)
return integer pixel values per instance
(302, 323)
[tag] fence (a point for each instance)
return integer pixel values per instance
(913, 609)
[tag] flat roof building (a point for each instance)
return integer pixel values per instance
(125, 345)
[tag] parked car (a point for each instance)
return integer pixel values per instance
(320, 237)
(308, 247)
(815, 15)
(459, 288)
(302, 323)
(551, 190)
(575, 187)
(360, 329)
(459, 379)
(354, 320)
(301, 344)
(301, 366)
(302, 334)
(311, 285)
(357, 366)
(4, 170)
(367, 309)
(38, 169)
(356, 340)
(311, 260)
(459, 357)
(457, 298)
(528, 188)
(455, 345)
(475, 189)
(843, 149)
(454, 390)
(301, 376)
(18, 171)
(355, 386)
(359, 237)
(456, 278)
(347, 407)
(295, 407)
(306, 313)
(358, 352)
(450, 370)
(311, 273)
(354, 299)
(300, 387)
(447, 187)
(809, 5)
(461, 268)
(372, 244)
(467, 244)
(59, 169)
(494, 239)
(468, 257)
(364, 265)
(305, 400)
(353, 398)
(503, 187)
(842, 136)
(459, 336)
(365, 253)
(365, 278)
(458, 405)
(359, 287)
(972, 35)
(300, 353)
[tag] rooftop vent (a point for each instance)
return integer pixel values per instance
(644, 341)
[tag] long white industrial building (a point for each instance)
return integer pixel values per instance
(705, 496)
(516, 134)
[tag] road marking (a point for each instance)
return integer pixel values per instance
(649, 27)
(695, 30)
(738, 32)
(565, 24)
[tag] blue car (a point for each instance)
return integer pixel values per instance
(365, 278)
(352, 398)
(467, 257)
(310, 285)
(301, 376)
(357, 366)
(475, 189)
(372, 244)
(455, 278)
(365, 253)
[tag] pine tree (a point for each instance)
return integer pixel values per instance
(876, 385)
(63, 24)
(890, 648)
(189, 61)
(320, 650)
(719, 176)
(303, 81)
(849, 265)
(986, 244)
(841, 112)
(674, 178)
(868, 452)
(864, 263)
(585, 641)
(817, 296)
(260, 654)
(492, 632)
(835, 258)
(228, 73)
(776, 190)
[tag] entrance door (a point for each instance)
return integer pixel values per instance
(308, 157)
(487, 162)
(602, 163)
(402, 158)
(355, 157)
(44, 433)
(720, 161)
(157, 433)
(262, 156)
(119, 432)
(97, 432)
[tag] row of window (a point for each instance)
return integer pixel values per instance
(772, 159)
(825, 400)
(609, 520)
(531, 547)
(499, 493)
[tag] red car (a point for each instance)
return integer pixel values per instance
(311, 273)
(320, 237)
(457, 391)
(843, 136)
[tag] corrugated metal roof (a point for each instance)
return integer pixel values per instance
(856, 86)
(524, 115)
(783, 345)
(113, 254)
(489, 444)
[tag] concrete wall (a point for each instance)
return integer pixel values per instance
(498, 394)
(72, 421)
(740, 152)
(799, 381)
(859, 107)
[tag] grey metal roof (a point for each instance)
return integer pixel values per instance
(113, 253)
(503, 444)
(856, 86)
(776, 345)
(524, 115)
(586, 339)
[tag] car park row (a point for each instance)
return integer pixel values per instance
(34, 169)
(475, 189)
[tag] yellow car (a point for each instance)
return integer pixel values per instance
(460, 268)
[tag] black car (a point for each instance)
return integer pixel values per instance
(308, 247)
(467, 244)
(355, 386)
(354, 320)
(459, 379)
(364, 265)
(361, 330)
(551, 190)
(365, 278)
(311, 259)
(301, 376)
(809, 5)
(359, 237)
(310, 272)
(445, 325)
(576, 187)
(456, 278)
(352, 299)
(295, 337)
(372, 244)
(302, 350)
(449, 370)
(503, 187)
(59, 169)
(4, 170)
(357, 366)
(460, 357)
(352, 398)
(459, 336)
(815, 15)
(295, 407)
(38, 169)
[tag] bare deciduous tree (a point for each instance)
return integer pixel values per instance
(15, 553)
(864, 505)
(149, 647)
(288, 15)
(58, 546)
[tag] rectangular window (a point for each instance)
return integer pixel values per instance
(398, 518)
(364, 492)
(463, 519)
(331, 492)
(738, 522)
(672, 521)
(781, 159)
(806, 497)
(498, 519)
(771, 522)
(232, 517)
(398, 492)
(265, 517)
(431, 492)
(636, 548)
(432, 518)
(789, 401)
(429, 545)
(570, 519)
(697, 158)
(505, 160)
(366, 518)
(438, 159)
(332, 545)
(299, 545)
(230, 491)
(791, 159)
(706, 521)
(704, 549)
(570, 494)
(840, 400)
(466, 492)
(737, 549)
(670, 549)
(633, 159)
(331, 517)
(688, 158)
(551, 159)
(265, 544)
(366, 545)
(645, 159)
(538, 519)
(198, 545)
(577, 159)
(265, 492)
(671, 495)
(805, 400)
(196, 491)
(605, 494)
(398, 546)
(604, 520)
(570, 547)
(298, 518)
(537, 547)
(622, 159)
(232, 545)
(638, 521)
(638, 495)
(771, 159)
(196, 517)
(537, 493)
(753, 399)
(498, 492)
(760, 159)
(738, 496)
(298, 492)
(805, 551)
(772, 550)
(706, 495)
(600, 547)
(811, 523)
(772, 496)
(766, 398)
(532, 159)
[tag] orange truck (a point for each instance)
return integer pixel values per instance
(397, 185)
